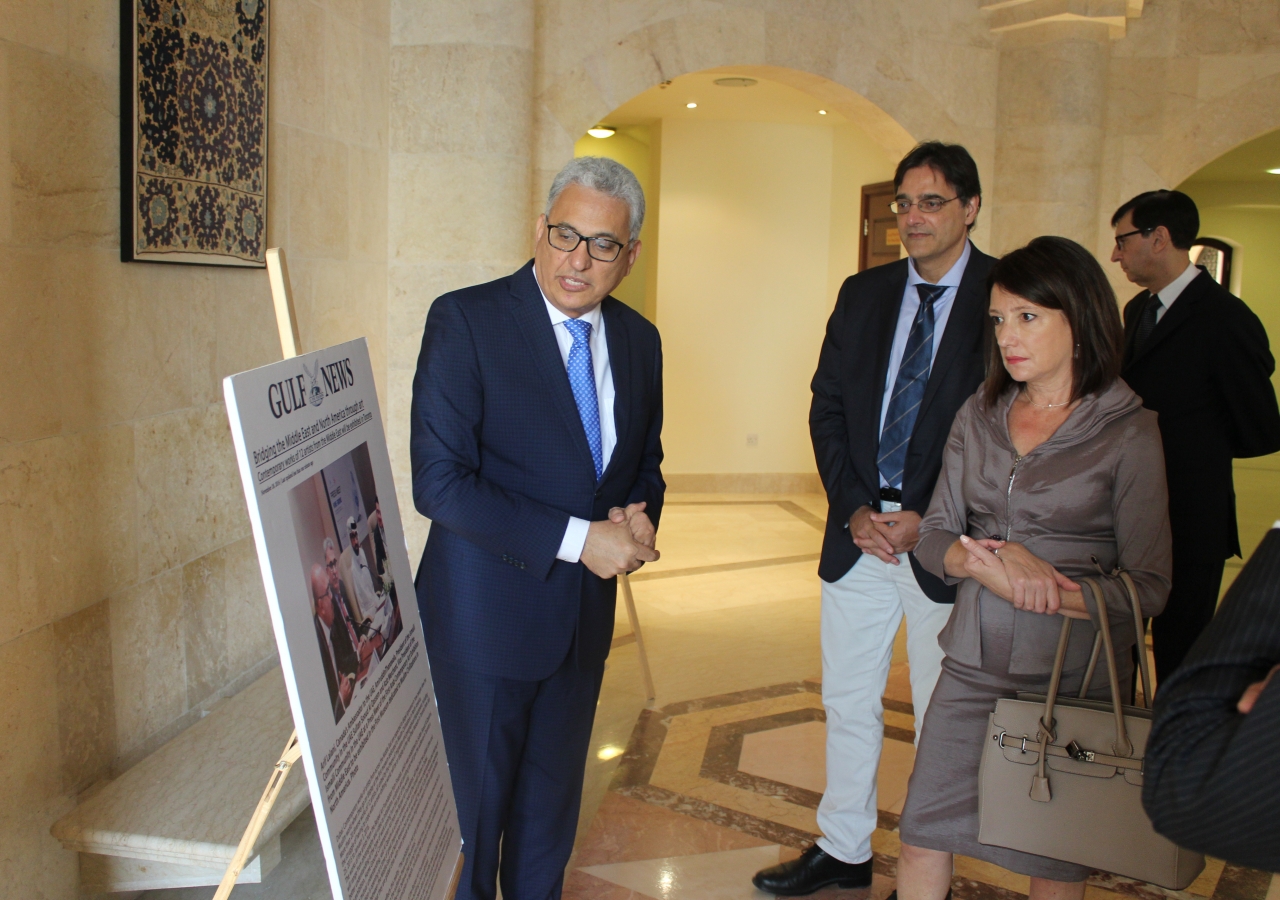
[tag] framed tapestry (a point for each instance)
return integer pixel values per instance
(193, 131)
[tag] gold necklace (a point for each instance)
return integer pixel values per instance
(1027, 397)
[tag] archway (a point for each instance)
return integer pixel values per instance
(851, 62)
(754, 187)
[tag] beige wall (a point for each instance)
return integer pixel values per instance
(634, 147)
(132, 598)
(856, 160)
(752, 215)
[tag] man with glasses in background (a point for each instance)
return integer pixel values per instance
(535, 442)
(904, 349)
(1199, 357)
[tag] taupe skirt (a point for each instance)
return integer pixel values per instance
(941, 811)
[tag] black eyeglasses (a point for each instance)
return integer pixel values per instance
(564, 238)
(1128, 234)
(926, 205)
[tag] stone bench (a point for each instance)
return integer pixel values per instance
(176, 818)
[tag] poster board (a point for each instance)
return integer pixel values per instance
(317, 479)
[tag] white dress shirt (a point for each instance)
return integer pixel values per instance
(1170, 291)
(575, 535)
(906, 316)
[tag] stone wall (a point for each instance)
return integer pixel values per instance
(461, 101)
(132, 599)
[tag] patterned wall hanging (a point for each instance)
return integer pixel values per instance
(193, 131)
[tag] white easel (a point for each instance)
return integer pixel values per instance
(635, 637)
(289, 343)
(290, 346)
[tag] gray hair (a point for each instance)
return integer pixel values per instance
(329, 545)
(610, 178)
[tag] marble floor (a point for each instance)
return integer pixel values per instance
(721, 775)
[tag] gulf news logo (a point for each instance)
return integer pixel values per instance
(309, 388)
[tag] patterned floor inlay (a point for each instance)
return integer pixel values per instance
(711, 790)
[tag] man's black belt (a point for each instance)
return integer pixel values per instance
(890, 499)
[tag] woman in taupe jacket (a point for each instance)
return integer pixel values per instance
(1052, 464)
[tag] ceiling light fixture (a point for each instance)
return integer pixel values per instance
(822, 112)
(602, 131)
(691, 105)
(1273, 171)
(736, 82)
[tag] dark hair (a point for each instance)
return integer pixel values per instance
(951, 161)
(1173, 209)
(1057, 273)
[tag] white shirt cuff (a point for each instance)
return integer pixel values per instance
(575, 538)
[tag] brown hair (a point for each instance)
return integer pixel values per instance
(1057, 273)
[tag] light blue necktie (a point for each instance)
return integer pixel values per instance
(908, 388)
(582, 380)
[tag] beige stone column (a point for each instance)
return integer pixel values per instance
(1051, 102)
(459, 185)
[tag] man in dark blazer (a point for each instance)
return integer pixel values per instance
(1199, 357)
(535, 443)
(1212, 769)
(338, 656)
(903, 350)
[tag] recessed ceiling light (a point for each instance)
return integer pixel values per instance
(736, 82)
(601, 131)
(1273, 171)
(822, 112)
(691, 105)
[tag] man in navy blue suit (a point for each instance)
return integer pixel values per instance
(537, 415)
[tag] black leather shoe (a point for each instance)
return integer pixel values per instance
(812, 870)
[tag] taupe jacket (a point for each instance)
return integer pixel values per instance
(1096, 488)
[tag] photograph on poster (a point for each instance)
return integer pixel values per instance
(342, 546)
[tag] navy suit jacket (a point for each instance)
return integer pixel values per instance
(1206, 370)
(848, 389)
(500, 464)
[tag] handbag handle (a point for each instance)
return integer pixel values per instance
(1122, 746)
(1139, 629)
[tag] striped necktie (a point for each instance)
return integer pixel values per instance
(908, 388)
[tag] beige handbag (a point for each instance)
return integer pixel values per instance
(1072, 789)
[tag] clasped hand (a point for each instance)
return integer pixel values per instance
(1011, 571)
(885, 535)
(621, 543)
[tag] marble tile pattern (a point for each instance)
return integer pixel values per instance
(656, 769)
(189, 802)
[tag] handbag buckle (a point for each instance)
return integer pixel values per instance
(1078, 753)
(999, 739)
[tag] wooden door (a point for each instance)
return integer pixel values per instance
(880, 243)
